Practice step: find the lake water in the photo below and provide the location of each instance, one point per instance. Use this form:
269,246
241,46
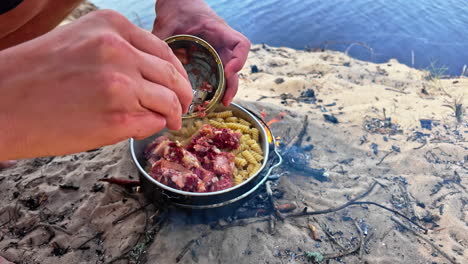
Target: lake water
436,31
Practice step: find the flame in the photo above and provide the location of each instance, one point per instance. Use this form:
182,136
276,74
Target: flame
278,141
270,137
277,118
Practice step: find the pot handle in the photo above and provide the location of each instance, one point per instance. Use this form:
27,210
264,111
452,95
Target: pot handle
277,164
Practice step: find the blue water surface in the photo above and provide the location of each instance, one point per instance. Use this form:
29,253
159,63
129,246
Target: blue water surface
435,31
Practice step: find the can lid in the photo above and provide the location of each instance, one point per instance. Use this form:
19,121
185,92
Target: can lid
204,69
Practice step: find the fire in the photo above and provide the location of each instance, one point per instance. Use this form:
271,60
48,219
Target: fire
277,118
278,141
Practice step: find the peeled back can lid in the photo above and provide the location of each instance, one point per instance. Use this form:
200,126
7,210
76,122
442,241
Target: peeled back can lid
204,69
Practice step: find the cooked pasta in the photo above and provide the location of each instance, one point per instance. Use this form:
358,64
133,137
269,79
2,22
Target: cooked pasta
235,126
249,154
240,162
249,157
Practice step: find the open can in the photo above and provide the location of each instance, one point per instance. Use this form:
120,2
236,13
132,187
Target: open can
204,69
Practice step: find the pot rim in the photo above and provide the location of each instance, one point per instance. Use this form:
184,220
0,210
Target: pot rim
165,187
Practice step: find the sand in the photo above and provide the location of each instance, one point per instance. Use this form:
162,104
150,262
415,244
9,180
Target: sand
53,210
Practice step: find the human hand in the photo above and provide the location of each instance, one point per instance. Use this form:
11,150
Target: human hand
195,17
94,82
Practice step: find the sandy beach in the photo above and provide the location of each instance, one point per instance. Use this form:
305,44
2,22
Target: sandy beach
358,121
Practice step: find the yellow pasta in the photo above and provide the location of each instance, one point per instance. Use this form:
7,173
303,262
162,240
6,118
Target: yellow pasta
224,114
255,134
257,156
232,119
254,170
238,179
240,162
244,122
249,157
256,147
217,124
251,142
235,126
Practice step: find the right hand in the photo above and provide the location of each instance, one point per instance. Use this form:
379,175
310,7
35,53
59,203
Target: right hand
94,82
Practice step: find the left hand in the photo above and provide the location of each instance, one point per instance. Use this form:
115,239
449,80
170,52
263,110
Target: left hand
195,17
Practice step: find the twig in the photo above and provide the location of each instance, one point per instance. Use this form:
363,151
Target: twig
184,250
187,246
434,203
346,252
330,210
99,234
384,157
121,218
241,222
48,226
300,136
272,202
331,237
426,240
420,147
395,90
121,182
361,240
393,211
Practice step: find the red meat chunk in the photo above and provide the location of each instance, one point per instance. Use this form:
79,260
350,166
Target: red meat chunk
206,87
202,166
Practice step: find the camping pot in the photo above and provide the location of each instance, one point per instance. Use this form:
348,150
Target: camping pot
224,201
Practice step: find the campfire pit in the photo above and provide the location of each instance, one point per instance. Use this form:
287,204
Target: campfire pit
224,202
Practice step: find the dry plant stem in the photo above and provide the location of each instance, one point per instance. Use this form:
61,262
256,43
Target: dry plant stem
445,255
393,211
187,246
354,202
330,210
384,157
333,238
121,218
346,252
300,136
184,250
272,202
420,147
395,90
88,240
361,238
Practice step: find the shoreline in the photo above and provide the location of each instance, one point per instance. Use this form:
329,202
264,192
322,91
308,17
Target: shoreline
363,123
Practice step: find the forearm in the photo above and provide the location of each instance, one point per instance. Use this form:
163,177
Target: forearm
31,19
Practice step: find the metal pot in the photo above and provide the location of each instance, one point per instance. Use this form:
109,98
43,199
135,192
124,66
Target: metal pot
222,201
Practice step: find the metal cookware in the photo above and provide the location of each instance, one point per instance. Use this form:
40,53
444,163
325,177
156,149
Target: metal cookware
222,201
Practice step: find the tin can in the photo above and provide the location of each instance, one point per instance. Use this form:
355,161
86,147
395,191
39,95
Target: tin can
205,71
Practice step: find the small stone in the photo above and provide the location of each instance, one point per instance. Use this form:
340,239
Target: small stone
279,80
254,69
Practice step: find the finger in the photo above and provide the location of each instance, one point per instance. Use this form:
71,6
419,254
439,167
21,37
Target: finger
163,101
239,57
161,72
148,43
232,87
162,32
148,124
